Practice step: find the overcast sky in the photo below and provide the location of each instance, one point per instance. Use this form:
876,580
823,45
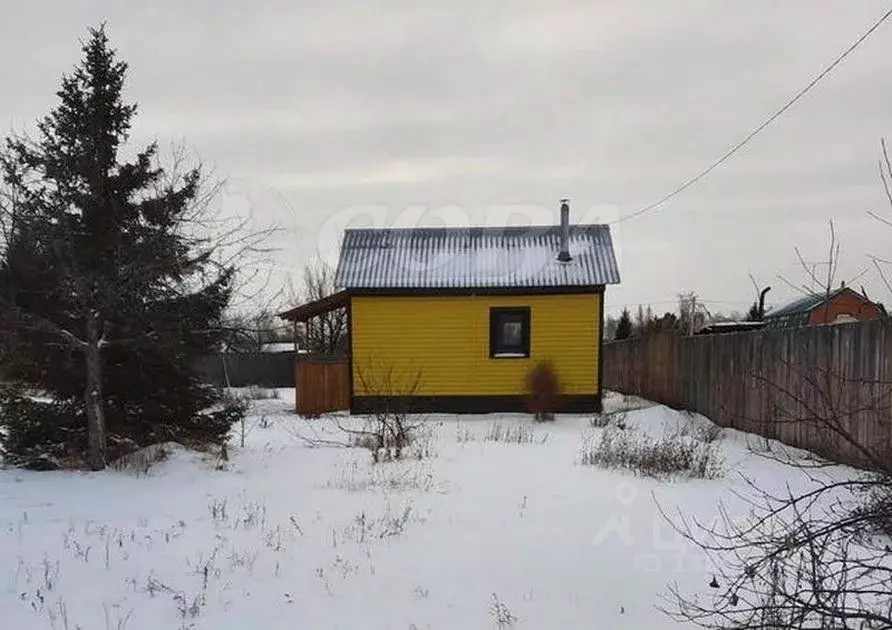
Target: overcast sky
471,109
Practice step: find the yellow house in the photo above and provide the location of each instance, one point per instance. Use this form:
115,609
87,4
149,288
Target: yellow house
453,319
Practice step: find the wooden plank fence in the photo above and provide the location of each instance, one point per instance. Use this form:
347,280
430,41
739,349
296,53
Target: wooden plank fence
322,385
822,388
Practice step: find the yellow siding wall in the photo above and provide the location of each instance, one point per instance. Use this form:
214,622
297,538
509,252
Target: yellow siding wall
446,341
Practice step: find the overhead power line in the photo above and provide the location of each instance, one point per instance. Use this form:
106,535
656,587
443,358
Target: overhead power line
737,147
675,302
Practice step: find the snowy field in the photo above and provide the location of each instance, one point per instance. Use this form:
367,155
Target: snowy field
294,532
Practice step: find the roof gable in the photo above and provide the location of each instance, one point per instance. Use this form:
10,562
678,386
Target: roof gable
808,303
798,312
475,257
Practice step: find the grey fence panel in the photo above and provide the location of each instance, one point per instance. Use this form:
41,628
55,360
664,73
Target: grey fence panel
822,388
243,369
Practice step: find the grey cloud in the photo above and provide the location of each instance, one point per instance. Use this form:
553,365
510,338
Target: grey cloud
320,106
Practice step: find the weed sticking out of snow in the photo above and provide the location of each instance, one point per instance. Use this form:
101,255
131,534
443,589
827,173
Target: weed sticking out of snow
514,433
366,528
395,476
517,430
508,432
501,614
464,434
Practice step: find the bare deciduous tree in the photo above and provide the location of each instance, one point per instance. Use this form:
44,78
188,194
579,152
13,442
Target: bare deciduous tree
250,332
327,333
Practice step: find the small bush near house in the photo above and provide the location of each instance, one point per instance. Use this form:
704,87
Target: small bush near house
543,392
670,455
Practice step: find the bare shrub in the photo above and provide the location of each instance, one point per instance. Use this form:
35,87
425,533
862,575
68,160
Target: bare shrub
660,458
391,428
543,392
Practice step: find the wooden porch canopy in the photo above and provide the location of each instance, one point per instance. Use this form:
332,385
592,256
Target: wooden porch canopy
321,383
307,311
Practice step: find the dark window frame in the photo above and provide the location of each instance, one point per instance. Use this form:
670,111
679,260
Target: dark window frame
497,351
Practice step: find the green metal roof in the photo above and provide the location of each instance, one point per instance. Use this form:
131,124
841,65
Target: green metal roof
796,313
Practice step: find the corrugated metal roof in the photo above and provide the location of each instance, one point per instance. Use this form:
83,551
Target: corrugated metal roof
799,305
475,257
796,313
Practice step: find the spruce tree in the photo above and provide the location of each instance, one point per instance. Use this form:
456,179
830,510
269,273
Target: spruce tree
110,290
624,325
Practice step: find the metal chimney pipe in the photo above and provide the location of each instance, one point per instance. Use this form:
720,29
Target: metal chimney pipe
762,301
564,254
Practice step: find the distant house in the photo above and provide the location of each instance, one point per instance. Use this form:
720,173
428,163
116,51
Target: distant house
718,328
452,319
839,306
278,347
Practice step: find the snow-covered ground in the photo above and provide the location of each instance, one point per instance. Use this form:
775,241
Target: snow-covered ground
295,533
